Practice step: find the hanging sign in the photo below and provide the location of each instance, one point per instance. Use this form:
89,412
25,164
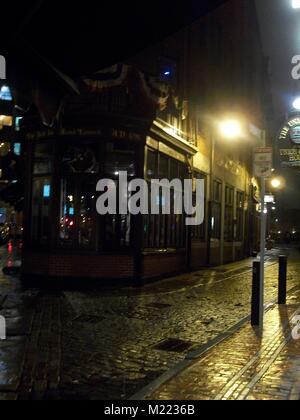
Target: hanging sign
289,144
263,162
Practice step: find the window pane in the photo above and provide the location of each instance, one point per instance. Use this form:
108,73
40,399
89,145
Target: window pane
151,164
119,157
68,213
42,167
43,150
228,232
80,158
40,222
163,167
87,222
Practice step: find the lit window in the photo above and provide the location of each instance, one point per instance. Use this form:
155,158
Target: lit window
5,94
17,149
6,120
18,120
47,191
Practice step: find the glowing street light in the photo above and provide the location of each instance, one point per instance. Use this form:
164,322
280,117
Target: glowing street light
276,183
231,129
296,103
296,4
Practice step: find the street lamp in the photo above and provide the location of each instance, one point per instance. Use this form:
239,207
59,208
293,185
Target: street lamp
231,129
296,103
295,4
276,183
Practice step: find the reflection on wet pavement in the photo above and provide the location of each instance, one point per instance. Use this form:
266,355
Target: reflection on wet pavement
108,344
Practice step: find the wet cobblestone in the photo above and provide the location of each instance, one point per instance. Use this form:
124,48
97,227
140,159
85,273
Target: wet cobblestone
246,366
121,355
102,344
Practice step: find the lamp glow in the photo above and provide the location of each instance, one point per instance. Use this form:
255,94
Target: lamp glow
276,183
296,4
296,103
231,129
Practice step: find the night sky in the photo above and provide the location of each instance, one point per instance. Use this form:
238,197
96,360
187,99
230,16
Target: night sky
280,30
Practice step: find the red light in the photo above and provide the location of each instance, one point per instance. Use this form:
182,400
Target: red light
71,223
10,247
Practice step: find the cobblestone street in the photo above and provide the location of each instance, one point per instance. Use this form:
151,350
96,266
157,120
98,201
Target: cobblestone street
246,366
111,343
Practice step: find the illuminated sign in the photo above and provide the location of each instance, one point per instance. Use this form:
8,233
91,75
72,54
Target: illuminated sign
269,199
293,124
289,144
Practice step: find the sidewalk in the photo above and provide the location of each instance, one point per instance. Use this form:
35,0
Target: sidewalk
245,366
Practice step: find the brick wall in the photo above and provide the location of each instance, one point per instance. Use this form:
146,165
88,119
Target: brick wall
161,265
199,255
97,267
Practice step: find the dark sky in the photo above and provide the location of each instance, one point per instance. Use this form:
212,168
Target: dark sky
280,30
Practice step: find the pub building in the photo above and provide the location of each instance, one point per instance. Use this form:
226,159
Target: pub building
110,127
117,124
155,116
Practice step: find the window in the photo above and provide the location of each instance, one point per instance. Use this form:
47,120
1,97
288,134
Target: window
228,222
152,164
240,205
117,229
80,158
120,156
216,210
5,94
80,225
164,231
40,219
17,123
17,149
43,159
41,194
78,213
199,232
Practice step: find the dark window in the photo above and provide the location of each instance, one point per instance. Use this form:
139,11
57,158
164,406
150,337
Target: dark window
120,156
40,217
43,158
80,158
42,194
240,205
229,206
199,232
78,213
117,229
152,162
216,210
164,231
